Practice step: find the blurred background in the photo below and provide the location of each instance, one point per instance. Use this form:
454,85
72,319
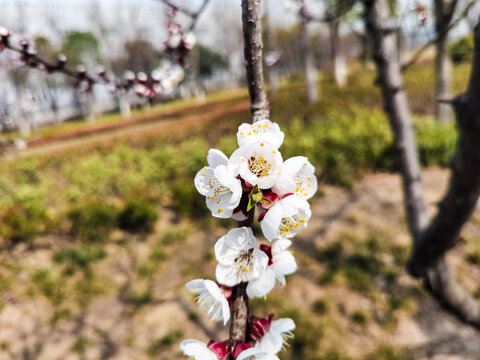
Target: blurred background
101,225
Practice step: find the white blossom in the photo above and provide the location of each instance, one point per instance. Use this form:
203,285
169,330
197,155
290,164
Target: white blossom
281,263
276,337
238,259
263,130
286,218
197,350
210,299
219,185
297,177
258,163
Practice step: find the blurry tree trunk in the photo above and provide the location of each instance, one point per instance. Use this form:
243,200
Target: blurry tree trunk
271,71
308,65
124,105
432,239
338,60
444,10
89,104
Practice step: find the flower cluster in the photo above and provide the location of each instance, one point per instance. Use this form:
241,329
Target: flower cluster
253,177
179,43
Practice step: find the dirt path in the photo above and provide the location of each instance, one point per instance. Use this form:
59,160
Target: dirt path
116,329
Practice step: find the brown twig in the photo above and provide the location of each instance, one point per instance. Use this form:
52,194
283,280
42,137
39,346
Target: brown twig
253,46
194,15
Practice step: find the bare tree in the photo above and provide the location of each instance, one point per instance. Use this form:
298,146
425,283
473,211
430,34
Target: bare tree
432,239
308,64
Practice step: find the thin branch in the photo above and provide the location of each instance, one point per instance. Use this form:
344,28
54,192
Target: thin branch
80,75
194,15
252,35
416,57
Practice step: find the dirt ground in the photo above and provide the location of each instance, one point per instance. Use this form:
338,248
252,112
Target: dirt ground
114,327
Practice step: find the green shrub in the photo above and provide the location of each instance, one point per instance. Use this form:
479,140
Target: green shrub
462,50
358,279
388,352
138,216
436,143
79,257
93,220
50,285
21,223
360,317
474,257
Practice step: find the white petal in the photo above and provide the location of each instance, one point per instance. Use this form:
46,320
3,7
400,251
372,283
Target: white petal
226,276
239,216
197,349
224,253
284,264
194,285
263,130
257,353
203,180
292,205
293,165
282,325
271,342
280,245
284,185
216,157
220,205
261,286
260,263
271,222
214,289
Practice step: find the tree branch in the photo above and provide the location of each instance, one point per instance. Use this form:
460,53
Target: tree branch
252,35
414,59
464,188
194,15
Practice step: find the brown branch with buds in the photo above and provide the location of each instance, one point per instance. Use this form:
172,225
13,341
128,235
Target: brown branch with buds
194,15
143,84
252,32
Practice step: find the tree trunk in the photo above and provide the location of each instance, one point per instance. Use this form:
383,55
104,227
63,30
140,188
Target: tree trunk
396,106
443,79
338,60
433,241
308,65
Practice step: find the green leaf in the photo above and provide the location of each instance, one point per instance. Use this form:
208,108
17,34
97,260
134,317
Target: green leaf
251,204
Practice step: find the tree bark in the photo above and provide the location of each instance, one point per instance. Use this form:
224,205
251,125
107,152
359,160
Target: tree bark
444,10
443,80
433,241
308,65
396,106
252,33
338,61
253,46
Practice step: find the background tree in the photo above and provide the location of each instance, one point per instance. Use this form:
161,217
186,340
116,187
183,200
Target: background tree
432,239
